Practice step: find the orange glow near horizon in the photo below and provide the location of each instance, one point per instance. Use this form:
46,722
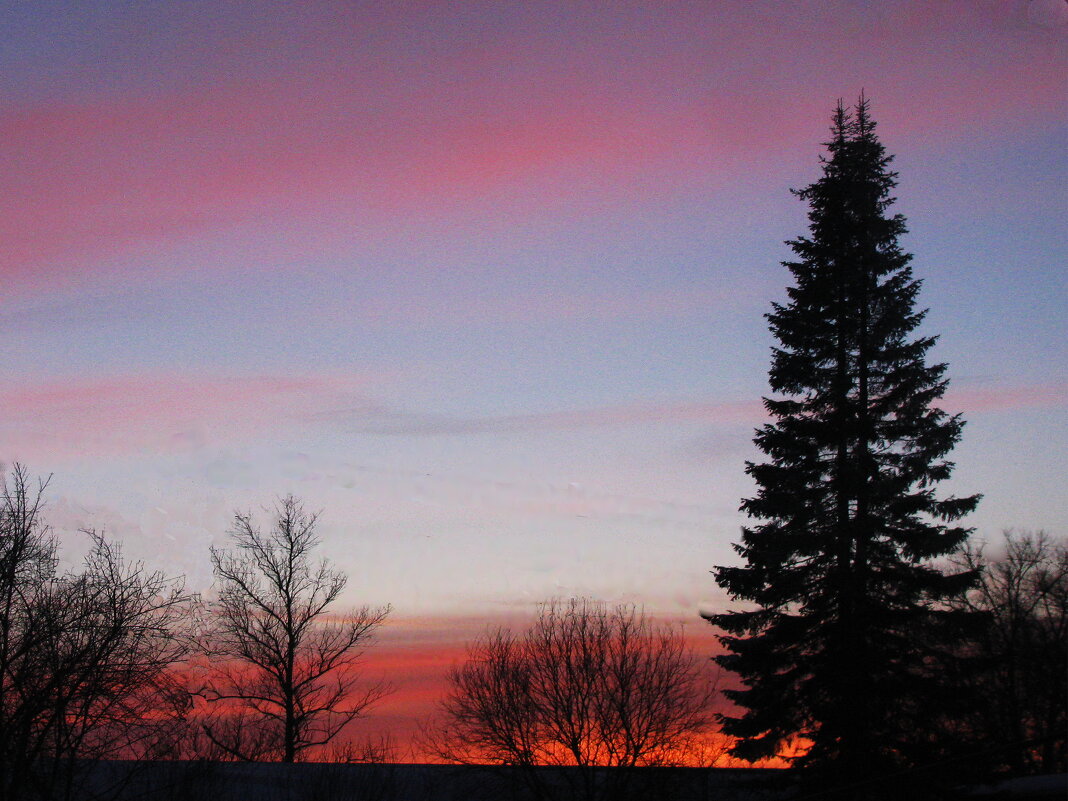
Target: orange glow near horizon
414,655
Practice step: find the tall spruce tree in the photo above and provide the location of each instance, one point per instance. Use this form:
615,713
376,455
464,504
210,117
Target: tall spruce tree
838,582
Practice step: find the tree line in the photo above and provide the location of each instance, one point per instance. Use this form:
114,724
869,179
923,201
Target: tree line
111,660
872,644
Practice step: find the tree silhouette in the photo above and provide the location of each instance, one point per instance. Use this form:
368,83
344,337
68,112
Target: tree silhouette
85,655
838,577
1021,688
283,669
585,686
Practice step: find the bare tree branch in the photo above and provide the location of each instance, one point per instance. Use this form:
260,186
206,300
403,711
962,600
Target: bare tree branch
86,656
275,655
584,686
1021,686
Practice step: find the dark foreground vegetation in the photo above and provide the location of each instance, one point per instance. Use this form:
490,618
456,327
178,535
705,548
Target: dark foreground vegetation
876,648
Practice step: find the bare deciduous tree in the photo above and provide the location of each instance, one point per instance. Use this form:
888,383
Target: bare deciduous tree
284,677
85,656
585,686
1022,689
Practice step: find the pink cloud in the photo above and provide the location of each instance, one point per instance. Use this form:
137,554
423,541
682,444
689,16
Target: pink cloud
78,417
711,412
1006,397
95,417
100,179
101,176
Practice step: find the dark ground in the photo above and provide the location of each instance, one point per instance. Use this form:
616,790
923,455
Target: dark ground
213,781
236,781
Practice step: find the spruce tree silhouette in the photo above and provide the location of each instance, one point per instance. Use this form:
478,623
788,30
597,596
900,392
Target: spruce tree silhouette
838,579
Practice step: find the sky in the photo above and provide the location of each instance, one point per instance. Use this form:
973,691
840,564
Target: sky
485,282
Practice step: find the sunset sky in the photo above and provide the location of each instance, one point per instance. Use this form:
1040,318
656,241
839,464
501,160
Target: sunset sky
484,282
